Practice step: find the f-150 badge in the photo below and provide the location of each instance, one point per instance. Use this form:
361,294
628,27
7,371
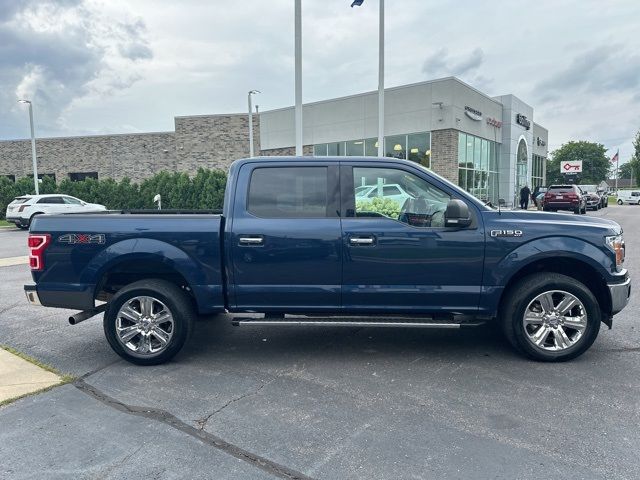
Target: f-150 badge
81,238
506,233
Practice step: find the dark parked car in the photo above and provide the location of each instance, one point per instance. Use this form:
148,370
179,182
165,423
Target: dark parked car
564,197
594,201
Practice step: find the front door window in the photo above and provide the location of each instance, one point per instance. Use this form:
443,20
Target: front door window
398,195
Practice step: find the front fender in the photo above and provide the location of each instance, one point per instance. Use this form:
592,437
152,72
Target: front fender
548,248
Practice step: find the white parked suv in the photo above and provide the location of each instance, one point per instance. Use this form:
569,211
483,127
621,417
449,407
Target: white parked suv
22,210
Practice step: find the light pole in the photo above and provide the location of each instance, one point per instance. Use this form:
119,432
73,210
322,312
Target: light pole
33,146
298,75
251,92
357,3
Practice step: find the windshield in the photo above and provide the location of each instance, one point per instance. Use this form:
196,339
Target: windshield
19,200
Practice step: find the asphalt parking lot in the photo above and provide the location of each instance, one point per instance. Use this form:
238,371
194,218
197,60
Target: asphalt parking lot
257,402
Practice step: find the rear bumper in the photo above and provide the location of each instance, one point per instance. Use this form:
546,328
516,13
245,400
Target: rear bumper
562,205
32,295
72,296
17,220
620,293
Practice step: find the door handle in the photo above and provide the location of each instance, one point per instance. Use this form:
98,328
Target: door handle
361,240
253,240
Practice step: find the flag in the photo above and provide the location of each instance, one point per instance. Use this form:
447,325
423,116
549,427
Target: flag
356,3
615,157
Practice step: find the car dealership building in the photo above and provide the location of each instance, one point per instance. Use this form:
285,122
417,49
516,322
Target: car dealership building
488,145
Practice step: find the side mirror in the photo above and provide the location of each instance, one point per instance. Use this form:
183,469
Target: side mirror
457,214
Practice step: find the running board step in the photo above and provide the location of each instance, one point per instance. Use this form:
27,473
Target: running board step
389,322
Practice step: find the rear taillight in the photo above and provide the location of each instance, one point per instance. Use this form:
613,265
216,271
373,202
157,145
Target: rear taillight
22,207
37,245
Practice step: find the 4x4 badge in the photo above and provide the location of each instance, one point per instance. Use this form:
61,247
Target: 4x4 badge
81,238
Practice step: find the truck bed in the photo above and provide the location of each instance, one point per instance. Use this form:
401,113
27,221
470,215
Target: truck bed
88,250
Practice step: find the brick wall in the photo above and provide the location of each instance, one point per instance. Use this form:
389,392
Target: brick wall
214,141
136,156
307,150
444,153
209,141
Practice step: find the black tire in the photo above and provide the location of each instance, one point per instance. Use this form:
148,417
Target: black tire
176,301
619,202
527,289
577,211
546,209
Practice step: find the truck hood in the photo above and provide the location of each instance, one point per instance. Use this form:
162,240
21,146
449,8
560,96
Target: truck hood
551,222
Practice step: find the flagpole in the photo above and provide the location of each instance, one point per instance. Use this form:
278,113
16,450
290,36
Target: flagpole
617,169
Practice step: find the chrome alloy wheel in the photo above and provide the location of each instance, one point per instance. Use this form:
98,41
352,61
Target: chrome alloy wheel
144,325
555,320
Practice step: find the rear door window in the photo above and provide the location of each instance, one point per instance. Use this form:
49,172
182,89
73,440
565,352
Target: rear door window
288,192
51,200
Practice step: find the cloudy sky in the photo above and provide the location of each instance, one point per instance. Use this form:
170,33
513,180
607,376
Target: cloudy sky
121,66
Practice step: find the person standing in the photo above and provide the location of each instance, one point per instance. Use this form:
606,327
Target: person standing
525,193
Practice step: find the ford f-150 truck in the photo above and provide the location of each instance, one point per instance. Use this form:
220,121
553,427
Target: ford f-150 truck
294,246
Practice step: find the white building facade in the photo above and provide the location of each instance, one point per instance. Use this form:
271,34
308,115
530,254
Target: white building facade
488,145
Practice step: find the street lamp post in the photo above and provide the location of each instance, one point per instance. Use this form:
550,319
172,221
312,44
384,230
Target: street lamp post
251,92
381,81
380,142
33,146
298,75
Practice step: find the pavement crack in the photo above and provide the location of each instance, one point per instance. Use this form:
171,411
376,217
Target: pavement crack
172,421
10,307
202,422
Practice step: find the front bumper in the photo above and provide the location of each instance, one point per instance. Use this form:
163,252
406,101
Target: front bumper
620,293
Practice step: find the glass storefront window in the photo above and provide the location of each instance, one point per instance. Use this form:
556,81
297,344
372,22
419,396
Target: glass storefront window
355,148
462,149
419,148
469,161
320,150
477,166
335,149
484,156
395,146
371,147
412,146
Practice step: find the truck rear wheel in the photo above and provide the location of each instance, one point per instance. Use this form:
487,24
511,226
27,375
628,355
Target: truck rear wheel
148,322
550,317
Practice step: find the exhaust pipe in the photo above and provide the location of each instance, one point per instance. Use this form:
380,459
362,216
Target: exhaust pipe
82,316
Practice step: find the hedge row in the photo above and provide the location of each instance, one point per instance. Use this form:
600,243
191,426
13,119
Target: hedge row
205,190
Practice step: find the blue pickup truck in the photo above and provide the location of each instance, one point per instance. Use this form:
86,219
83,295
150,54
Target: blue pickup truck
295,245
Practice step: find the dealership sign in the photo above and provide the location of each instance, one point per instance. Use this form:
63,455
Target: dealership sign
571,167
494,122
523,121
541,142
473,114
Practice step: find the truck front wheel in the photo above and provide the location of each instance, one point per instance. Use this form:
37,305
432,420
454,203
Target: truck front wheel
148,322
550,317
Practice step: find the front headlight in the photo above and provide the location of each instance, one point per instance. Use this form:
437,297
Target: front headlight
616,243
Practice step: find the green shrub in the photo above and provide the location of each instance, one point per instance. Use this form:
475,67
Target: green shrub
204,191
384,206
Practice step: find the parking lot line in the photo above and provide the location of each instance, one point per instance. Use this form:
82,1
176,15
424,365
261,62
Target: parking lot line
19,377
10,261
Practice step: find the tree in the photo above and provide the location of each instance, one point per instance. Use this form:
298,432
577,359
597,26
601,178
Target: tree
626,169
595,162
635,159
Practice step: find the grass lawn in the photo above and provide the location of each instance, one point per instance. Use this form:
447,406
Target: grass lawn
4,223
